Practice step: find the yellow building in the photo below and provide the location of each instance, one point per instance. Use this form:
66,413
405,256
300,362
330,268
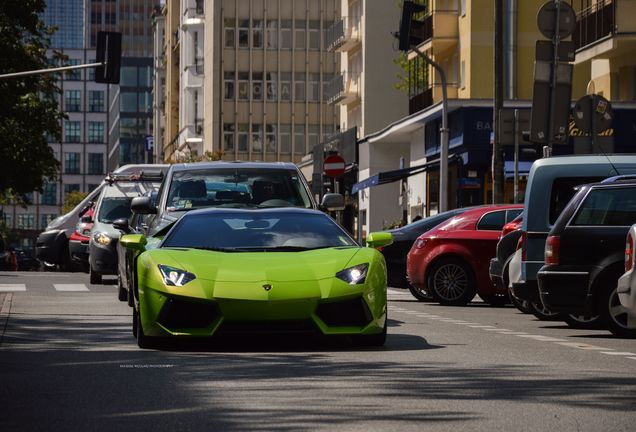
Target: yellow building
606,37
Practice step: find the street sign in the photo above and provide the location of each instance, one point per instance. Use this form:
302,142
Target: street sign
545,51
593,114
546,19
508,129
334,165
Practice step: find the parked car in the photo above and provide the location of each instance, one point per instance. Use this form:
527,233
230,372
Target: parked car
506,247
451,260
52,247
220,184
227,270
551,185
78,242
626,288
585,254
113,204
403,239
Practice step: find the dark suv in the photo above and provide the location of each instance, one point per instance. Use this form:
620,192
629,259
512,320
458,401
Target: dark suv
585,252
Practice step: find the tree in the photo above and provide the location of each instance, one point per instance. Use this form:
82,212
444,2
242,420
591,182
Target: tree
29,111
72,199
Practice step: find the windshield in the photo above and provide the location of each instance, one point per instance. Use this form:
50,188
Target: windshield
112,209
237,187
257,232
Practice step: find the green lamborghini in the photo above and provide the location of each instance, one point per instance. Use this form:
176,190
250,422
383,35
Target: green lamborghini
221,271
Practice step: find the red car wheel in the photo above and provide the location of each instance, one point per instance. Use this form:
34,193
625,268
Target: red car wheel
451,282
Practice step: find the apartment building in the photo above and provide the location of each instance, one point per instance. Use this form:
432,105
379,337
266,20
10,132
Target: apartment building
606,45
399,176
248,78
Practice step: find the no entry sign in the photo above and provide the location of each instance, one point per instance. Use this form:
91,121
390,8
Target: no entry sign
334,166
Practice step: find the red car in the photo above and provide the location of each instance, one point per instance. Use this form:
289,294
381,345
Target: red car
451,262
78,242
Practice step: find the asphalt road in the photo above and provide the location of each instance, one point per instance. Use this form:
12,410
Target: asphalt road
68,361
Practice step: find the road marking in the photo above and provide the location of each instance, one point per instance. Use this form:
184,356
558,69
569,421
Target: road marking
70,287
632,358
12,287
618,353
542,338
482,326
582,346
497,330
516,333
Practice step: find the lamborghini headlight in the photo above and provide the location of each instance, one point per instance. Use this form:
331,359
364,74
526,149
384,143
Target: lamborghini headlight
102,239
354,275
175,277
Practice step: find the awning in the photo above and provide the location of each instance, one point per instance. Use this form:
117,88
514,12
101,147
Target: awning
509,168
399,174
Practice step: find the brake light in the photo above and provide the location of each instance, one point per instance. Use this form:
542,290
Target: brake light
552,250
419,243
629,252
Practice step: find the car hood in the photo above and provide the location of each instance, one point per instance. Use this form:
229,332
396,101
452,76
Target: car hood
258,266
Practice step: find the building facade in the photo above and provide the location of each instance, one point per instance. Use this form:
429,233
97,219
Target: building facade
248,78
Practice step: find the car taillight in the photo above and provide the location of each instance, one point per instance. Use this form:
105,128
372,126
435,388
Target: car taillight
419,243
629,252
552,250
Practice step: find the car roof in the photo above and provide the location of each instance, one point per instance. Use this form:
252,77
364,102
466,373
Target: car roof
233,164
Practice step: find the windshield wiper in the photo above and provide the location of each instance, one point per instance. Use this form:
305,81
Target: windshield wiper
277,248
214,249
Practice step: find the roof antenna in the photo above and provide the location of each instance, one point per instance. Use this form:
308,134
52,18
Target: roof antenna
592,91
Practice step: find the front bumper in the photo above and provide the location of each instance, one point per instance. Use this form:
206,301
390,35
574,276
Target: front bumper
496,273
78,251
564,289
103,258
49,246
526,290
166,312
626,289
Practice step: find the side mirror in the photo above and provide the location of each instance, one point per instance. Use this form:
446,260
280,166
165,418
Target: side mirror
332,202
136,242
379,239
122,225
143,205
86,219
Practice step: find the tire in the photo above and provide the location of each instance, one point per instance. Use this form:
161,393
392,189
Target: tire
615,316
143,341
522,305
374,340
95,278
451,282
122,292
545,314
583,322
420,294
496,300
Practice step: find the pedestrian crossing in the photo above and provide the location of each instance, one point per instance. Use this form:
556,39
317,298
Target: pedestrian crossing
60,287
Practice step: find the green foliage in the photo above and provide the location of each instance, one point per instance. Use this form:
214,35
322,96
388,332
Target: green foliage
411,77
72,199
207,156
29,109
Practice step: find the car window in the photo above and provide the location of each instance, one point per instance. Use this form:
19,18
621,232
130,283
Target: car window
607,207
493,221
232,187
512,214
112,209
563,189
245,231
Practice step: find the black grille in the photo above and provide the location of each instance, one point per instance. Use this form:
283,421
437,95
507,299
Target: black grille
283,326
354,312
187,314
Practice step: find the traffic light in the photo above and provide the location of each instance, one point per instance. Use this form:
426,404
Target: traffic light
108,52
408,26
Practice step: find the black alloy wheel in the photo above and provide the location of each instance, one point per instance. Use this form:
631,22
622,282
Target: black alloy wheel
420,294
545,314
452,282
583,321
615,316
95,278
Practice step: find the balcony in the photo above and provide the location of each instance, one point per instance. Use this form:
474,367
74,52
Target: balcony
439,31
193,76
344,89
430,96
604,29
193,9
343,35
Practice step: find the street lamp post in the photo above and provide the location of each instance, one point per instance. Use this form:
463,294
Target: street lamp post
443,132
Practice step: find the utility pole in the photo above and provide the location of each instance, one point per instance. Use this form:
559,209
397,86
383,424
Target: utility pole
497,153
